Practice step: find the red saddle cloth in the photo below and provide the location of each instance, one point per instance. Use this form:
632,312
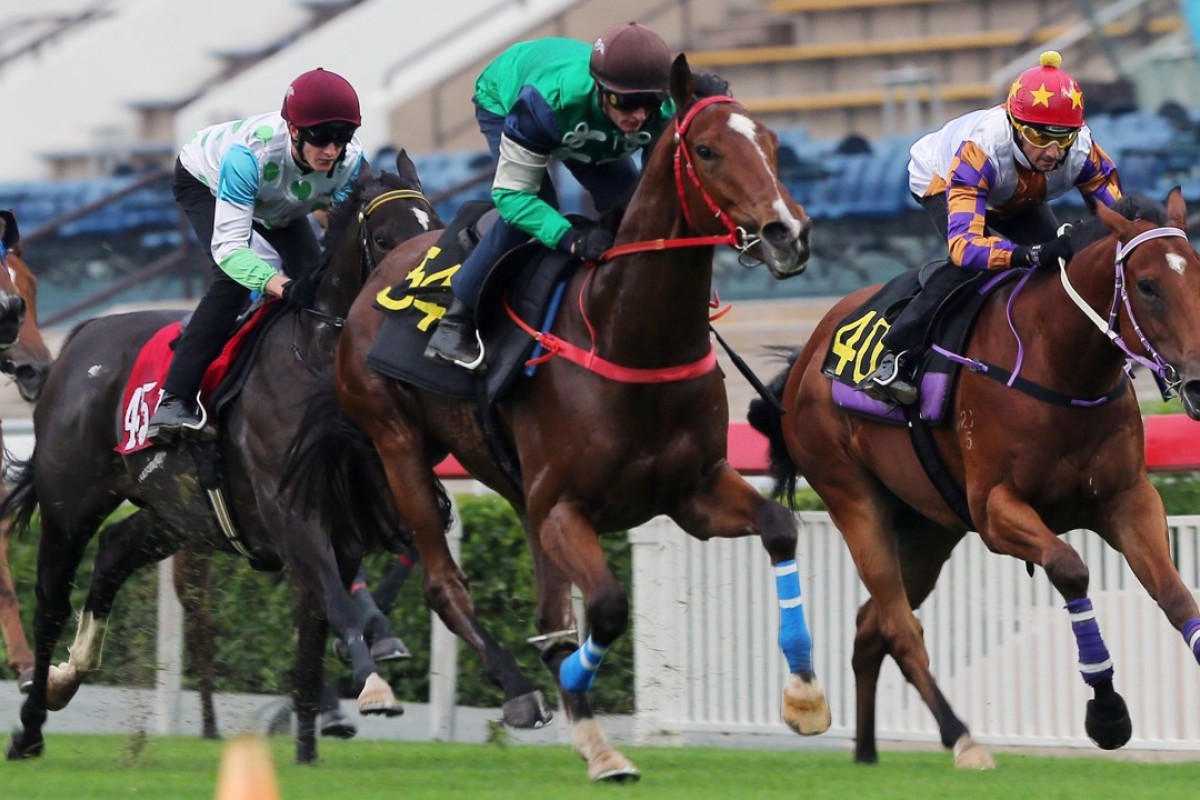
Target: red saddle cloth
144,388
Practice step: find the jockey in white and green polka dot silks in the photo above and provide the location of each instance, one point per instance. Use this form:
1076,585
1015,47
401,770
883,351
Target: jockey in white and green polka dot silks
248,165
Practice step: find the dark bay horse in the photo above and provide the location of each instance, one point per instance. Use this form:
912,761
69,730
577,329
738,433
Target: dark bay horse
77,479
24,356
1047,456
636,429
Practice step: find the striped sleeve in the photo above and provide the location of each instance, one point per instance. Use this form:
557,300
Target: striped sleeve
1098,181
971,176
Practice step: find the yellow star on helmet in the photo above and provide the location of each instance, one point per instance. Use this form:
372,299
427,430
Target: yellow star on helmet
1076,97
1041,97
1016,85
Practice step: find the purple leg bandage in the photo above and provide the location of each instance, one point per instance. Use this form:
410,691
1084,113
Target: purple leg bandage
1191,635
1094,662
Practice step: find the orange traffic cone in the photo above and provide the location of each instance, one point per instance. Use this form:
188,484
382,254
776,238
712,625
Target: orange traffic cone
246,771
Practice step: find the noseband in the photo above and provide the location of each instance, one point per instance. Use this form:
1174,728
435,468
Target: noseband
1166,374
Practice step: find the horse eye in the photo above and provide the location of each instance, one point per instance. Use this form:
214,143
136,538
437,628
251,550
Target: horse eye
1147,288
705,152
383,243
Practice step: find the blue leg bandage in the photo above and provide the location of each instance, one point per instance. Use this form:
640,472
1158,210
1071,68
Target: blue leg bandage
578,671
794,639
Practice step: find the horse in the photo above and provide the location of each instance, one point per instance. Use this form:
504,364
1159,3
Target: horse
633,427
1044,436
77,479
26,358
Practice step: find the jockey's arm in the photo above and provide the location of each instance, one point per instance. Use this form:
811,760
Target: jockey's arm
971,175
234,219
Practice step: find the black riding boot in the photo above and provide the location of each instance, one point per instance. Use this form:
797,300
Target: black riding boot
454,340
892,380
174,415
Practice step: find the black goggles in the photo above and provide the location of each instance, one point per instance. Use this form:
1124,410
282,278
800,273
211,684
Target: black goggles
632,101
325,135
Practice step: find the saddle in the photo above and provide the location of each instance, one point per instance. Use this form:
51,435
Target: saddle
528,279
223,381
857,342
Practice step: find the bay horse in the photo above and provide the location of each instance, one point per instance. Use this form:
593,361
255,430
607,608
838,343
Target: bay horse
1055,447
626,422
25,357
77,479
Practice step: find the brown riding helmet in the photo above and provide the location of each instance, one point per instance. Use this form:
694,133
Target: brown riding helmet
631,58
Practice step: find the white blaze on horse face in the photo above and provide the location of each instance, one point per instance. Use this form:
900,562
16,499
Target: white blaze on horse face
749,128
422,217
1176,262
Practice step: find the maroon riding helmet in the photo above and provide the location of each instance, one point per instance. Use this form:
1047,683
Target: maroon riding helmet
319,96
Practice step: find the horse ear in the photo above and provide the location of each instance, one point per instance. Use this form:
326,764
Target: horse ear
407,170
1176,209
681,83
1113,221
9,233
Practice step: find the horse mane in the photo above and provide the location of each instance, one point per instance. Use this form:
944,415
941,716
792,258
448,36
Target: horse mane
1133,206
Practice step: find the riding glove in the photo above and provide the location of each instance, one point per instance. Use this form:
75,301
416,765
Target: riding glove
587,243
1044,256
709,84
300,292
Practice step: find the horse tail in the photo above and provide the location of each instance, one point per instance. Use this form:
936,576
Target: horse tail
332,472
765,418
22,499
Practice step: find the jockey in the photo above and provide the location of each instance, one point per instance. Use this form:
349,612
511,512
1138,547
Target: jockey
247,188
985,179
590,107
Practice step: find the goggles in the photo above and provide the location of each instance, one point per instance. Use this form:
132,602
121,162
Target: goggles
632,101
339,133
1039,136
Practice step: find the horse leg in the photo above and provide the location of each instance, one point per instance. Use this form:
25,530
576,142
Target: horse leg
727,506
385,644
308,670
66,530
567,550
1011,526
20,656
191,572
416,494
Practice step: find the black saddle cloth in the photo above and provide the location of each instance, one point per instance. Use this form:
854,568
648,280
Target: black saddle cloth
526,278
857,343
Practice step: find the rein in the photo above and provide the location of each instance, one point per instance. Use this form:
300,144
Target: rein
735,237
1155,363
1161,369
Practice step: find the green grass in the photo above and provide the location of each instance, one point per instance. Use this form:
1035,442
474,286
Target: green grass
102,767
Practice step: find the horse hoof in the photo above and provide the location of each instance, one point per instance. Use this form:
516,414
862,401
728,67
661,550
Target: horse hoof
377,698
804,707
61,685
25,680
612,767
527,711
1107,722
969,755
390,649
335,724
18,751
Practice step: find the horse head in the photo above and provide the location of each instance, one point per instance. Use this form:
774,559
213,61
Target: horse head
23,353
1159,289
727,174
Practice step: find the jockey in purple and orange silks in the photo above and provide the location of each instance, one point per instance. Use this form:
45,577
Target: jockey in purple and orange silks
986,179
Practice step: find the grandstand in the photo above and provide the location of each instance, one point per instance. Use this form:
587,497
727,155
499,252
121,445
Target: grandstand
847,84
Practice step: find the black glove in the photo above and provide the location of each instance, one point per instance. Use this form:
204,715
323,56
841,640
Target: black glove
1044,256
300,292
587,243
709,84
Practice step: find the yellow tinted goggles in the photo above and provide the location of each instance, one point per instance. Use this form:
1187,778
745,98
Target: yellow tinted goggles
1040,137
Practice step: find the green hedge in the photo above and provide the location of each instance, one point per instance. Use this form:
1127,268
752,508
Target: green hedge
253,613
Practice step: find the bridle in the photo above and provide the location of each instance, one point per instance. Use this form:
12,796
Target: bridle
736,236
1167,375
367,260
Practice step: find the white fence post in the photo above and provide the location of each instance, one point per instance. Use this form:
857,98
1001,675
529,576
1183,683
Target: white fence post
168,678
443,655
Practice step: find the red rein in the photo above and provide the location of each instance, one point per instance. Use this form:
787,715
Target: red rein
588,359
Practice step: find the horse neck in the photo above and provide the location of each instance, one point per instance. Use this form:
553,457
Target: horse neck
344,273
653,306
